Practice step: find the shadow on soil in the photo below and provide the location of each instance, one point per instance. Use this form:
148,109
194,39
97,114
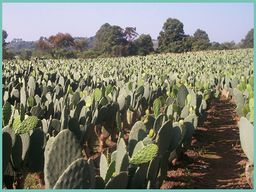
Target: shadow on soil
215,160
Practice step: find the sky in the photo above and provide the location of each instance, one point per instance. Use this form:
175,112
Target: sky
222,21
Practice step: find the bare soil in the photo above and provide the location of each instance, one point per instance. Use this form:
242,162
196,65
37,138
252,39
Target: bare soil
215,160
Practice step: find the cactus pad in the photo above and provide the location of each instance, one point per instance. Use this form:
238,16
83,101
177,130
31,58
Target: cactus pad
144,155
7,112
246,137
103,166
76,176
63,150
138,133
7,149
28,124
120,181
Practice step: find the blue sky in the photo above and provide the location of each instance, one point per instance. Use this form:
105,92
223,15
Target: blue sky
222,21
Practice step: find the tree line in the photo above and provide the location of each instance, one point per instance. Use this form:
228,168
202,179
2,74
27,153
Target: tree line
112,40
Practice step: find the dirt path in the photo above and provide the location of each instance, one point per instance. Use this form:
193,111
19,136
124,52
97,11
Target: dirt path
215,159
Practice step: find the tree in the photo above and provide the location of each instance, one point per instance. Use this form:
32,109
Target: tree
229,45
61,45
130,33
144,44
81,44
43,44
187,42
6,54
4,36
172,36
201,40
247,42
62,40
216,46
110,40
25,54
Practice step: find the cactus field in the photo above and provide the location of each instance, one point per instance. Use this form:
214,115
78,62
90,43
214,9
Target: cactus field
127,122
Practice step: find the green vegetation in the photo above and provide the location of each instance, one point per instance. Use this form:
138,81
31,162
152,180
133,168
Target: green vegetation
115,122
114,41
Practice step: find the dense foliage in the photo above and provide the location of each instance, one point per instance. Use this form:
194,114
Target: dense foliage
112,40
115,122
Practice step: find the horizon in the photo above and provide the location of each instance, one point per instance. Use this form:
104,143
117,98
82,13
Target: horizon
223,22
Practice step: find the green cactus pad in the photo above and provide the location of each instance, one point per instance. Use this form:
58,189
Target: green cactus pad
11,133
121,156
163,137
182,96
22,112
156,107
7,149
97,94
76,176
184,112
36,151
153,169
246,130
192,119
138,146
145,154
120,181
103,166
110,171
25,138
99,182
7,112
140,177
27,125
138,133
158,122
16,156
63,150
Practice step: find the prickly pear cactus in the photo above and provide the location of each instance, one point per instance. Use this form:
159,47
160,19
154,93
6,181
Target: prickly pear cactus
246,131
16,123
156,107
159,122
153,170
137,134
36,151
121,157
145,154
99,182
103,166
182,96
120,181
22,112
163,137
63,150
25,138
97,94
76,176
251,107
28,124
7,112
110,171
138,146
192,119
11,133
138,180
16,156
7,149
